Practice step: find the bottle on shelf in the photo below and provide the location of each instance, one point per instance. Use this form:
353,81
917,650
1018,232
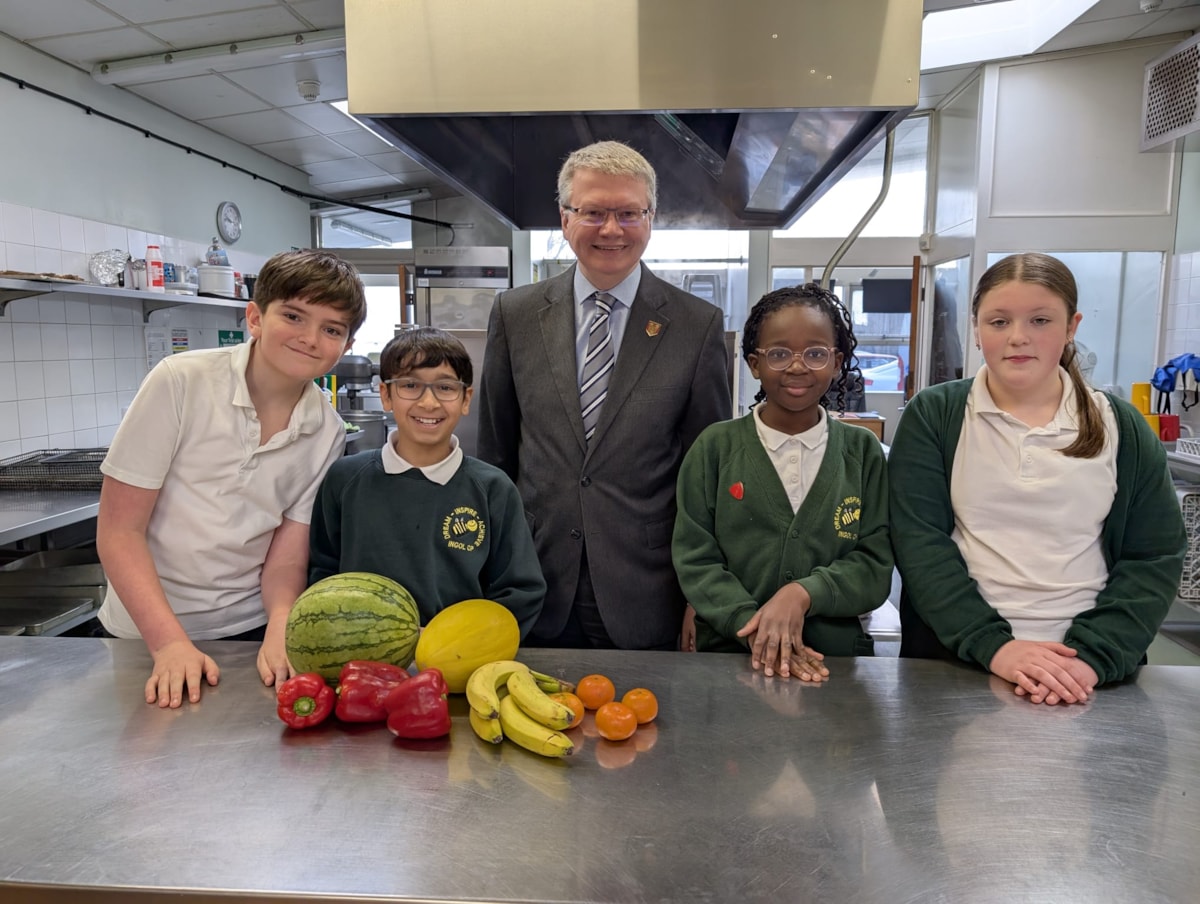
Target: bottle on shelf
154,269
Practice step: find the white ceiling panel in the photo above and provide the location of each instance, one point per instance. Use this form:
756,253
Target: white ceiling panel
353,168
260,127
1114,9
25,20
200,97
277,84
226,27
1085,34
1178,20
87,49
361,141
321,13
157,10
396,163
315,149
350,188
322,117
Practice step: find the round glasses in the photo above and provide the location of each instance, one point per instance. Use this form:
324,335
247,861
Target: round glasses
815,357
627,217
411,390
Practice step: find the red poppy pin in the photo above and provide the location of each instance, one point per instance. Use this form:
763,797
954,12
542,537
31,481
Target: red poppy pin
737,491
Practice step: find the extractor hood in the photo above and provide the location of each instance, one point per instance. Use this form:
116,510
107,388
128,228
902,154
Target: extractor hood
748,109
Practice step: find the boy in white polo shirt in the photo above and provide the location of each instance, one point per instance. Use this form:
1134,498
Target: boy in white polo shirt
210,480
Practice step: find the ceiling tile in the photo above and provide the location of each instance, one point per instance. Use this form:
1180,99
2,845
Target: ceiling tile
321,13
1085,34
396,163
1176,20
352,187
302,151
322,117
88,49
353,168
24,20
260,127
277,83
223,28
199,97
157,10
361,141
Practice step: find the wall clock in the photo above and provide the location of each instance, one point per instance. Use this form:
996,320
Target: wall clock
229,221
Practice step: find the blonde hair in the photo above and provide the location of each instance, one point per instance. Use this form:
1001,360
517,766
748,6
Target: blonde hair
613,159
1052,274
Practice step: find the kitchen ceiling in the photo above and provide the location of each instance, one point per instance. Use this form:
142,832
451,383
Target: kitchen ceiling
260,104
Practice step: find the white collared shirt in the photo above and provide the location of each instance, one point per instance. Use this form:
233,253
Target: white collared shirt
193,434
623,294
1028,519
439,473
797,457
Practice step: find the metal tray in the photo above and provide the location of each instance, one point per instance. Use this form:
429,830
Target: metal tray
53,468
40,615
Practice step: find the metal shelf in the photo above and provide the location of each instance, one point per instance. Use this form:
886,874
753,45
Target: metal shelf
13,289
1183,467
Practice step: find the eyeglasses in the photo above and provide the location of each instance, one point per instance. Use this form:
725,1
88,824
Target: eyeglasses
412,390
815,357
627,217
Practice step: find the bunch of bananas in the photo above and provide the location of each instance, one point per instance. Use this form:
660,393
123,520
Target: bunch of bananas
510,700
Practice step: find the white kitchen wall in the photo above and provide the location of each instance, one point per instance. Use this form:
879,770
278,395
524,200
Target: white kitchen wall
71,363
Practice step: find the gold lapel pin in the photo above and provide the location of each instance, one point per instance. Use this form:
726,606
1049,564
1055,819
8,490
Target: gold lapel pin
652,328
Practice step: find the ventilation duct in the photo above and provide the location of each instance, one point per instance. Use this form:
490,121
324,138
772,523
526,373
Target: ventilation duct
1170,107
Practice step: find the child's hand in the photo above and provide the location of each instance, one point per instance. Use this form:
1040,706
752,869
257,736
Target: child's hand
687,634
1043,670
273,665
1080,670
177,664
776,633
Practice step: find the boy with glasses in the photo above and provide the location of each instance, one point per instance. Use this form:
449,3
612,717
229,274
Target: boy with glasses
447,526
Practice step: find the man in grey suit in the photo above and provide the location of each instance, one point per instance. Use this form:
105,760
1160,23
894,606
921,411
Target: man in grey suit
594,385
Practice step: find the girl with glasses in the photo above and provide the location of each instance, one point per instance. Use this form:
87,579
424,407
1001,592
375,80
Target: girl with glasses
781,539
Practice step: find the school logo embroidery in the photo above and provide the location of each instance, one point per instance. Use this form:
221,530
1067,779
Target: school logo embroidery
738,490
846,517
464,529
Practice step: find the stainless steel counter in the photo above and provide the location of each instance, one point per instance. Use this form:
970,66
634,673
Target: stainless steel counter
897,781
29,513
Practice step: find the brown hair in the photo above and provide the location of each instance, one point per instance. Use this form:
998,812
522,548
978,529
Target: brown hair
1052,274
317,277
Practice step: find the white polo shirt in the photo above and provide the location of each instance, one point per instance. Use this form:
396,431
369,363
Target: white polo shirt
192,433
797,457
1028,519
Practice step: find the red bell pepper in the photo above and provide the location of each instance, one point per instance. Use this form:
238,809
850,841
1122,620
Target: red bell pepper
362,687
418,707
304,700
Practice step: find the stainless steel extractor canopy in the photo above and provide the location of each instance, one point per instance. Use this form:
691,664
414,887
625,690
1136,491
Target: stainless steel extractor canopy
748,110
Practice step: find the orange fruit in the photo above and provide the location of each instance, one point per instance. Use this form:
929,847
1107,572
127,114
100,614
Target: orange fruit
616,721
643,703
575,704
595,691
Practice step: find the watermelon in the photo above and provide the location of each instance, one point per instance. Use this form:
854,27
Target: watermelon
356,615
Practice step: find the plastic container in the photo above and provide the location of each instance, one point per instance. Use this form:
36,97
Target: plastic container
154,270
216,280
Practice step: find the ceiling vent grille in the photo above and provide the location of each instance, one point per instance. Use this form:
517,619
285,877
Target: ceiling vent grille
1171,95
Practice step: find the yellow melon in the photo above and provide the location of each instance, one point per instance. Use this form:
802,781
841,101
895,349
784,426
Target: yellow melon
464,636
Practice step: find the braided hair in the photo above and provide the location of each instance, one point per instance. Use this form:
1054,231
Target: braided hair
827,303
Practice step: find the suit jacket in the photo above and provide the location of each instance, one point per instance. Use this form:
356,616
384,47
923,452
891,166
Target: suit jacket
618,495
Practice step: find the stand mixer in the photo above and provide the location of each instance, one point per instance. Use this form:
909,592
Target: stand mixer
354,373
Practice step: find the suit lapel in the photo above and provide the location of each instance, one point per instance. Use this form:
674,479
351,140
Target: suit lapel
557,321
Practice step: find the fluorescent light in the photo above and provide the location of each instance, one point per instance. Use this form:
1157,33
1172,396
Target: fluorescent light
221,57
351,229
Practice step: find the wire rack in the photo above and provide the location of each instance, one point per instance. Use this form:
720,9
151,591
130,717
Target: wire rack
76,469
1189,503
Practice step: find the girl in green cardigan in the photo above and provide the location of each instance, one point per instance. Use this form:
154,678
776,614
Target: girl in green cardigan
781,538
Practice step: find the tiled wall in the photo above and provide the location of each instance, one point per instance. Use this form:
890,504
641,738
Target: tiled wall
70,364
1183,322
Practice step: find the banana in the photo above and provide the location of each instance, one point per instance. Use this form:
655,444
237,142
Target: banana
552,685
488,729
484,684
531,698
533,736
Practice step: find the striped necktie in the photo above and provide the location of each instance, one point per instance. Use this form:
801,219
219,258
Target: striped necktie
597,365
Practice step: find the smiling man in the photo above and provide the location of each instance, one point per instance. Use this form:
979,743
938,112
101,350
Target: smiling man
595,383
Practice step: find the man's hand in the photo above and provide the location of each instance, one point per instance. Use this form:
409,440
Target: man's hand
177,664
687,635
273,665
1043,670
776,633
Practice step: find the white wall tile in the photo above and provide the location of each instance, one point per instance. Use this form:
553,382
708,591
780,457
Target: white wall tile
18,223
57,377
22,258
79,340
24,310
83,410
86,439
75,262
31,414
107,412
125,374
10,429
105,434
54,341
102,342
34,443
95,238
9,449
59,417
127,342
6,346
1194,290
46,233
104,375
71,230
29,383
81,375
78,311
65,440
100,311
27,342
117,237
52,310
8,374
47,260
3,257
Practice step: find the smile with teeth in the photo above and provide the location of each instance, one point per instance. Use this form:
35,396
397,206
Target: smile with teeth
427,421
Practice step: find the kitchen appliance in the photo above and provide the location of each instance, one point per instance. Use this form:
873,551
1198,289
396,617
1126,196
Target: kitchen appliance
354,376
216,280
372,427
748,111
455,287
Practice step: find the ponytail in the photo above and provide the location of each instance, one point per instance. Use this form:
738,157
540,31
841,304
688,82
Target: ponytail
1090,441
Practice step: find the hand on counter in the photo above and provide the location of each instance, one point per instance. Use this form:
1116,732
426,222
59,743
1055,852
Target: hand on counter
687,634
776,634
177,664
1046,671
273,665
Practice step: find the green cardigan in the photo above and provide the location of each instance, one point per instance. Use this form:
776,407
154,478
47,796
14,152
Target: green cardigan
941,609
737,541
